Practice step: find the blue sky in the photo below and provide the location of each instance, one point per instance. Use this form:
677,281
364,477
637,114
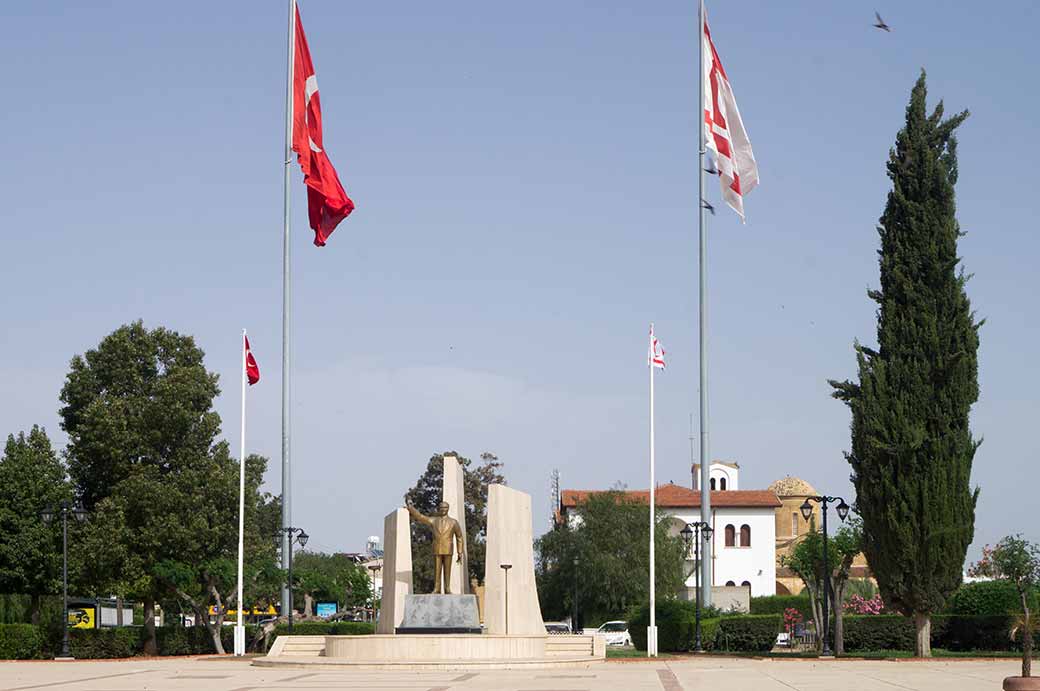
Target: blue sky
525,178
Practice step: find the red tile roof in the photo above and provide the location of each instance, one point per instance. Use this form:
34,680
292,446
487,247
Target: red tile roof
675,496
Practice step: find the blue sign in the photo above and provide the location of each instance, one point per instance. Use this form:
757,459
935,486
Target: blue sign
326,609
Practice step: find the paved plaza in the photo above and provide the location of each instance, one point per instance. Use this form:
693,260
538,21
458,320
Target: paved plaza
716,674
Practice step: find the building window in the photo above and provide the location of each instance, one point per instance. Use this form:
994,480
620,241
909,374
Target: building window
722,484
794,524
730,535
713,484
730,583
745,584
745,535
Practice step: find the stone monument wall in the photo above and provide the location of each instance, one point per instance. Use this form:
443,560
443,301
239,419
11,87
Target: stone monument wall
509,541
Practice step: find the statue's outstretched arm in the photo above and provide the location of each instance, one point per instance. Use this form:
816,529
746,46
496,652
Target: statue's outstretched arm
414,513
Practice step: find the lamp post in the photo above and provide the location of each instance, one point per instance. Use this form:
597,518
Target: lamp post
373,568
695,530
843,512
295,535
506,567
574,614
47,515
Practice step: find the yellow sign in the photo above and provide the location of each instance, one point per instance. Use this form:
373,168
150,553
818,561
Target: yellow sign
81,617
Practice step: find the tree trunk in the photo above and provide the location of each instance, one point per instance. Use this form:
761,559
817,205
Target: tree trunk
119,610
216,627
1027,638
923,638
838,588
817,613
150,645
35,609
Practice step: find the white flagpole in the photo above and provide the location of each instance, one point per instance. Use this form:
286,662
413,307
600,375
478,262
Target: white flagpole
651,637
286,315
240,631
706,562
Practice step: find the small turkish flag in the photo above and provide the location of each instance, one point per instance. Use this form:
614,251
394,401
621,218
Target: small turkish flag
327,202
252,369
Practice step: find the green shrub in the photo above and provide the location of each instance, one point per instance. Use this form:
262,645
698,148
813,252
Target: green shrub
326,628
100,644
776,604
751,633
675,621
192,640
20,642
961,633
986,598
878,632
709,632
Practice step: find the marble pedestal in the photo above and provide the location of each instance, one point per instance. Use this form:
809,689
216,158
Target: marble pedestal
440,614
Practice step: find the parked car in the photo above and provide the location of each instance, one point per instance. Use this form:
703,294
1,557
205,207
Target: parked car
616,633
557,628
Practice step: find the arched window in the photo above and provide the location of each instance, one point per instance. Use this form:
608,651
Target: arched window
722,484
745,535
745,584
713,484
730,535
730,583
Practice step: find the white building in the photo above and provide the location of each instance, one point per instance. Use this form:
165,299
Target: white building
744,524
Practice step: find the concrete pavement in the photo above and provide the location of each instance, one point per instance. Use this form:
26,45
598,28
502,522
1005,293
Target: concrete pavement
716,674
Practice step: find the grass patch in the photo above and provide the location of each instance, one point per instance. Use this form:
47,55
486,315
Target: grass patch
618,653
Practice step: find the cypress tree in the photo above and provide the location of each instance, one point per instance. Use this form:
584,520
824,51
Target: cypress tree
912,448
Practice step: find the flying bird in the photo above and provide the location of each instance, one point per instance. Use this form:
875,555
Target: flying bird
709,207
881,23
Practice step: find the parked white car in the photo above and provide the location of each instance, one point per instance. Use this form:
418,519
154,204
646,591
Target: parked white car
616,633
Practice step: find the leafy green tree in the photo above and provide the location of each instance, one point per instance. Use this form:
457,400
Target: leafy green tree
32,479
1018,561
331,578
806,560
912,448
425,496
606,551
204,575
138,410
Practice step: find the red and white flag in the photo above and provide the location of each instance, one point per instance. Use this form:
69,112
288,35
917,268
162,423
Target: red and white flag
724,132
655,356
327,202
252,369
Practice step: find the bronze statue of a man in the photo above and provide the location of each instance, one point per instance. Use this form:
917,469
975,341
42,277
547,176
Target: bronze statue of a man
444,528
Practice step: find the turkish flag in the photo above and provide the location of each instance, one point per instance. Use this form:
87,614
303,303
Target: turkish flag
252,369
327,202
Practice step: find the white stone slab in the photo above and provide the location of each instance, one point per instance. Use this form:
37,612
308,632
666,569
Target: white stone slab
454,493
397,569
509,541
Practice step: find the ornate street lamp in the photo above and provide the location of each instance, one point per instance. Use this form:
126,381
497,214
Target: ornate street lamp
843,512
79,515
695,531
574,614
296,535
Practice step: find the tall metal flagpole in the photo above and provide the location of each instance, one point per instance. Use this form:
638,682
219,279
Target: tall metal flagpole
651,637
706,560
287,316
240,631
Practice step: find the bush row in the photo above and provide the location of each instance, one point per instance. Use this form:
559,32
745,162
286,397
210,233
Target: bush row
777,604
952,632
28,642
328,628
676,629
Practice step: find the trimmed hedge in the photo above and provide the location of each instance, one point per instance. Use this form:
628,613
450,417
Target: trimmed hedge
988,598
20,642
99,644
951,632
675,623
328,628
751,633
776,604
191,640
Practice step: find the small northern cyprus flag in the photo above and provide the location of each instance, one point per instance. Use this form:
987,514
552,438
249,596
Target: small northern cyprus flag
655,356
